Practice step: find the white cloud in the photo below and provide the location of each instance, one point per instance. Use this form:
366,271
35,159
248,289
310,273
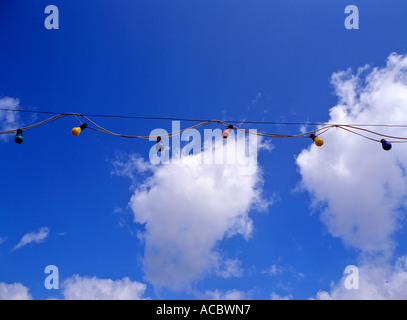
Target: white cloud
188,207
377,281
228,295
9,120
231,268
361,188
273,270
275,296
129,165
15,291
36,236
262,102
85,288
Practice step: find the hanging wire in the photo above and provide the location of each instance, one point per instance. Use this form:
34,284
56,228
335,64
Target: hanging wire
324,127
200,120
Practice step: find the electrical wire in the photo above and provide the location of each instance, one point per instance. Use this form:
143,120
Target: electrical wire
200,120
323,127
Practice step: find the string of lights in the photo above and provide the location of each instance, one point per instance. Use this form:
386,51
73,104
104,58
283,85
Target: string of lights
357,129
197,120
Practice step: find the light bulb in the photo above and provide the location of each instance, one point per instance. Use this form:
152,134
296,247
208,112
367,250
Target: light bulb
77,130
317,140
19,139
385,145
159,146
226,132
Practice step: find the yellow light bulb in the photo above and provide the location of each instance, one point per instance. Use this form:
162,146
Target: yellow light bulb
318,141
76,131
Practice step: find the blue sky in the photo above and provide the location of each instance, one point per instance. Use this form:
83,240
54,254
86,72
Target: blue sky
229,60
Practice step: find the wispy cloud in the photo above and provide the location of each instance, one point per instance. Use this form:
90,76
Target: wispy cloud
233,294
376,282
9,120
275,296
14,291
231,268
36,237
85,288
273,270
262,102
